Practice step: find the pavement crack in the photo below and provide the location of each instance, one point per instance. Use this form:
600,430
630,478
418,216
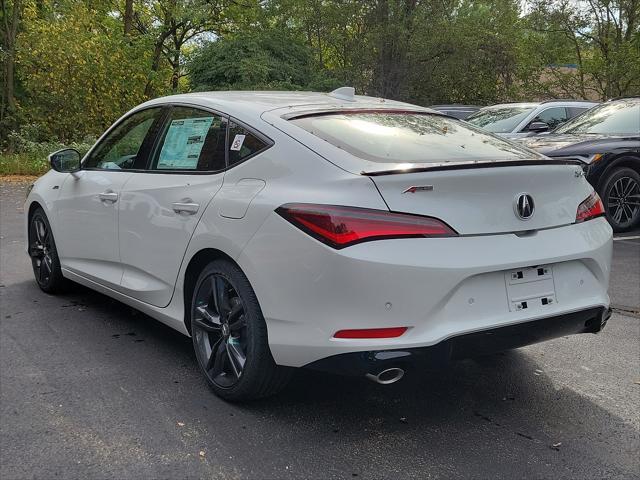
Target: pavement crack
626,311
493,422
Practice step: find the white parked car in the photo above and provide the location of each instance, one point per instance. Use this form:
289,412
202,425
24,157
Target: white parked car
343,233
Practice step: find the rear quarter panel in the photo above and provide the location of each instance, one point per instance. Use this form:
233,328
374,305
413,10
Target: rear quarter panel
287,172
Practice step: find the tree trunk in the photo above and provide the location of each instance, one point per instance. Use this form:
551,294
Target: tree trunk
128,16
155,64
395,20
175,65
9,71
9,34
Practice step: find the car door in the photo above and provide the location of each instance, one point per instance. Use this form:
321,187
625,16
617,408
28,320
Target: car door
160,207
87,207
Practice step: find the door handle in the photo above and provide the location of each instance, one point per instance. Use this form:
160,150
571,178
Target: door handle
108,197
186,207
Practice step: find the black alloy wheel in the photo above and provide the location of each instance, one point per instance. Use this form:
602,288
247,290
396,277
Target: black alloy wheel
230,336
44,255
622,199
219,326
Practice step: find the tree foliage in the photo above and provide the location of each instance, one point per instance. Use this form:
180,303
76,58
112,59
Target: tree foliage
602,40
71,67
78,72
262,60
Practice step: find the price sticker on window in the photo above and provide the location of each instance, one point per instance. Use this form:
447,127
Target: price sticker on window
238,140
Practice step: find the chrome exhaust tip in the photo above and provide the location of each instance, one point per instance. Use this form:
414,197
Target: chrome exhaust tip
386,377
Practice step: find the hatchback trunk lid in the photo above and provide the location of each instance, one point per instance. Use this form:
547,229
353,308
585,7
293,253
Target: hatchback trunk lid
483,200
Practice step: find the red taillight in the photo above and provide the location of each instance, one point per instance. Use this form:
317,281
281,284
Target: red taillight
591,207
340,227
392,332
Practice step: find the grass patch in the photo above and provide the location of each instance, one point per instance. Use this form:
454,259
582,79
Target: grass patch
23,164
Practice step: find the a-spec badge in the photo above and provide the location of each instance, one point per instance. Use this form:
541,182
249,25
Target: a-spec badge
419,188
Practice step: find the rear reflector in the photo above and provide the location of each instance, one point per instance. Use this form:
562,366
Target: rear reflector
371,333
340,227
591,207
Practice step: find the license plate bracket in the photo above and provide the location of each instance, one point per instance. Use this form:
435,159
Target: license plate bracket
530,288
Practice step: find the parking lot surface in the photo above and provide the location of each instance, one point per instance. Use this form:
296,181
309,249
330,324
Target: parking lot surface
90,388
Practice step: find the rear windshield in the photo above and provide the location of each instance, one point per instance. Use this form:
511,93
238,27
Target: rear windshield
409,137
500,119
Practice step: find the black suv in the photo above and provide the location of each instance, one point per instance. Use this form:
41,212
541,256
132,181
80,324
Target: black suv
606,139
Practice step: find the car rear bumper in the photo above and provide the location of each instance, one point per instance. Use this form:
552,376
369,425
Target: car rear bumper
440,288
469,345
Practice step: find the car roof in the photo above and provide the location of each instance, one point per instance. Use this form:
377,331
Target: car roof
568,103
252,104
454,106
634,98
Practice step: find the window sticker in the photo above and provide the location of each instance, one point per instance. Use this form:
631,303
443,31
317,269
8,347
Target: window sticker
183,143
238,140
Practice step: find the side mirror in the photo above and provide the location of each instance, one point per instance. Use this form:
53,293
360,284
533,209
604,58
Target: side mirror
538,127
66,160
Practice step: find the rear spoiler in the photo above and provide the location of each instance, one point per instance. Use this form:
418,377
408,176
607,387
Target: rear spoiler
435,167
352,110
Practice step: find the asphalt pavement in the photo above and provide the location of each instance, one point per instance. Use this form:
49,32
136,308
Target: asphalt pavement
90,388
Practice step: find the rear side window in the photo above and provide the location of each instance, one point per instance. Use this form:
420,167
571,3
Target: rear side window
408,137
243,144
192,140
575,111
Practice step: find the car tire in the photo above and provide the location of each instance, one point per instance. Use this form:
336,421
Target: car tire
621,187
230,336
44,254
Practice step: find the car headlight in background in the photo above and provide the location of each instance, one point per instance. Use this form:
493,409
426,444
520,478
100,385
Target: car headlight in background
590,160
29,188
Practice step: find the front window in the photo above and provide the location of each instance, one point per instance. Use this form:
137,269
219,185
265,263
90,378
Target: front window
500,119
409,137
552,116
621,117
126,146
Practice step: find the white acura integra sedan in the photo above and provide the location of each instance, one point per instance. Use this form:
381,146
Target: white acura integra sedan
343,233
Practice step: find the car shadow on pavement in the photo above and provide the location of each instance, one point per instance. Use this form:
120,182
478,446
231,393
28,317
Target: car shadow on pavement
502,407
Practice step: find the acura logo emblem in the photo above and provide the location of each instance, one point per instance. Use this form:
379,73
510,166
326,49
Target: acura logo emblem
524,206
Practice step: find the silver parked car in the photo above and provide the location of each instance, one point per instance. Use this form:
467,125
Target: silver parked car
519,120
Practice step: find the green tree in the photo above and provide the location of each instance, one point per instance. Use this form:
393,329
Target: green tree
172,24
465,51
264,59
336,31
10,19
423,51
78,71
602,40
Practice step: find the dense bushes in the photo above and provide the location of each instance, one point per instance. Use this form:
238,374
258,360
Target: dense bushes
30,151
260,60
